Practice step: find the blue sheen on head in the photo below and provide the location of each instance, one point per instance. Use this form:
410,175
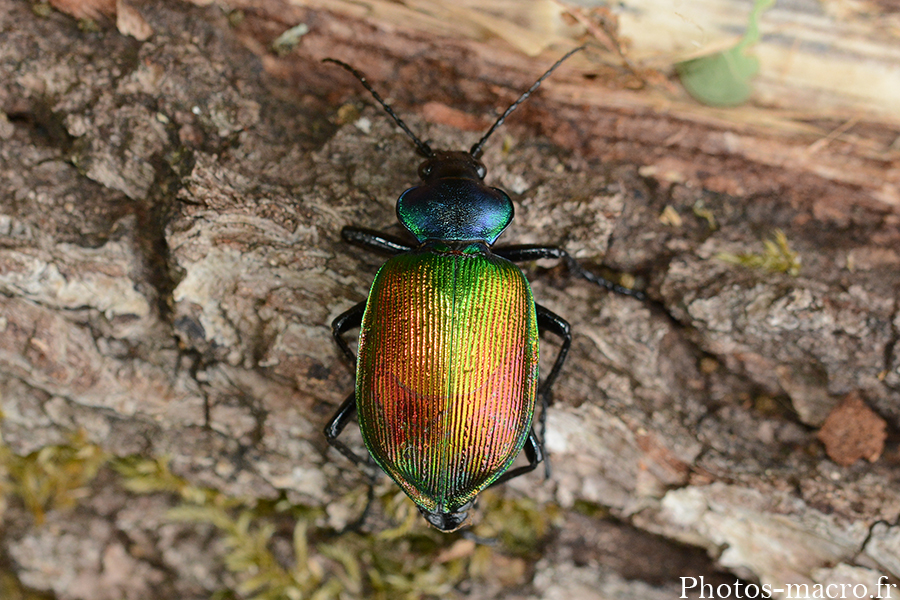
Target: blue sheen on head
455,209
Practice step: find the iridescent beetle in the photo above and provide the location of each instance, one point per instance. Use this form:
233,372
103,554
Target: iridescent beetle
447,373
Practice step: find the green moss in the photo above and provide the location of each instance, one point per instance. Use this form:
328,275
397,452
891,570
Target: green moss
236,18
777,256
591,509
12,589
701,211
519,524
408,560
42,9
278,550
54,477
89,25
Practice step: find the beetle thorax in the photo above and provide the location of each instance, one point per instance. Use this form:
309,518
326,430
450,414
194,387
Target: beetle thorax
453,202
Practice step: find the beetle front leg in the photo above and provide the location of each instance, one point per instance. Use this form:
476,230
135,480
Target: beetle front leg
375,240
527,252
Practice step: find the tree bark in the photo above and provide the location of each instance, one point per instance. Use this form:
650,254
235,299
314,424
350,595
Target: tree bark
170,262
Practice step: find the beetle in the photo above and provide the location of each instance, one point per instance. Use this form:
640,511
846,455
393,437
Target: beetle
447,366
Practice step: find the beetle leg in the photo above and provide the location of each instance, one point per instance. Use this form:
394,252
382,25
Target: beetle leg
534,452
361,520
343,323
336,426
528,252
375,240
332,431
548,320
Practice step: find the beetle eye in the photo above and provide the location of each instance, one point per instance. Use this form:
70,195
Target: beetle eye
425,170
481,171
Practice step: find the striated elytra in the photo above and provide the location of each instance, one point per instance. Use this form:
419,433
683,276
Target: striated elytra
447,372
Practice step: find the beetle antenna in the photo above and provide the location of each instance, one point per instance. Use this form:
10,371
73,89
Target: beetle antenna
477,148
421,147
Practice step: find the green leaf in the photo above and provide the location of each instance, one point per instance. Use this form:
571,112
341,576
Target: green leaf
724,78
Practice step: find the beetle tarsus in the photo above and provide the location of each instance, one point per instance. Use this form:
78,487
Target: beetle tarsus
576,268
483,541
357,525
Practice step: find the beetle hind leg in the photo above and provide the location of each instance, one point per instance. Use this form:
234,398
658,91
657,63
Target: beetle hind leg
332,431
343,323
364,515
336,426
534,452
550,321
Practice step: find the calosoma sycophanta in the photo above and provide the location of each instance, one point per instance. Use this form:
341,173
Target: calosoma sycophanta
447,373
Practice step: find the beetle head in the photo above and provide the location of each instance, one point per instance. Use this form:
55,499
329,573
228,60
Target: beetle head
447,521
451,164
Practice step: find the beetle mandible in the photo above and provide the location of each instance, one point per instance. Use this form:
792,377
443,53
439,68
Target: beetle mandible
447,372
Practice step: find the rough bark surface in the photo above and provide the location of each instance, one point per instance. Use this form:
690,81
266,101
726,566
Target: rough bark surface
170,261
